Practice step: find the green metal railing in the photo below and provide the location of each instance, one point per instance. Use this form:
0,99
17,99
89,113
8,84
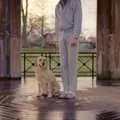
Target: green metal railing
86,64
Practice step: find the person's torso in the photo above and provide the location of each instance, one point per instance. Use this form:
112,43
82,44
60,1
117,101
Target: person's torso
65,16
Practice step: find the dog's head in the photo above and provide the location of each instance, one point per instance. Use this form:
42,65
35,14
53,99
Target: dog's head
42,63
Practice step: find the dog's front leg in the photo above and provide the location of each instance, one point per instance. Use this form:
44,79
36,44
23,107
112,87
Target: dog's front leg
37,87
49,90
41,89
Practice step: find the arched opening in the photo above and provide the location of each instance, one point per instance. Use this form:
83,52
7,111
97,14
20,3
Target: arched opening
41,18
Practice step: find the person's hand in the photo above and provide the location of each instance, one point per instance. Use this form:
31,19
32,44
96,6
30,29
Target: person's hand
73,42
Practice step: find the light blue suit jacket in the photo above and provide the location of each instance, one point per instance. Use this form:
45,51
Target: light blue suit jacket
69,18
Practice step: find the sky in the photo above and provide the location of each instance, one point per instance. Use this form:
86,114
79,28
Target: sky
47,8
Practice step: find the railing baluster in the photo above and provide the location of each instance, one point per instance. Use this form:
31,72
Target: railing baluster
50,61
24,66
92,69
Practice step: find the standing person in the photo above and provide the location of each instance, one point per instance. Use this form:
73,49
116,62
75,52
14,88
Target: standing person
68,20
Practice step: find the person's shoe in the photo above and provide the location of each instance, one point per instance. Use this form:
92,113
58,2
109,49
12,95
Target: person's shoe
71,95
63,95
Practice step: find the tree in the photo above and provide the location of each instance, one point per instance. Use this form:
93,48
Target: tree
32,20
24,13
37,22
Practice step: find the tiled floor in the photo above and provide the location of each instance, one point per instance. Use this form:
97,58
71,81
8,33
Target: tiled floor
17,102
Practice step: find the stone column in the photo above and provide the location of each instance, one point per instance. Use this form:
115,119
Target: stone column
15,38
108,40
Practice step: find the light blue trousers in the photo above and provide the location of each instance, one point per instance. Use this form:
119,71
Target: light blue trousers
68,58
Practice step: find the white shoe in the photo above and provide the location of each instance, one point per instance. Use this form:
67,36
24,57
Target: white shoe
71,95
63,95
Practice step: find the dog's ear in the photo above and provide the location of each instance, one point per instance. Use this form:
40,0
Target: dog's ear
46,63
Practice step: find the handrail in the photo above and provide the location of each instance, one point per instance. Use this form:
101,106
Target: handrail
86,62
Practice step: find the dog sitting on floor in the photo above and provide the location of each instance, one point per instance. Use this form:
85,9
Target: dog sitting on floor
45,79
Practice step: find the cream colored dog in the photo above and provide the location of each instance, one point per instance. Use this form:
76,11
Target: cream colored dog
46,81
